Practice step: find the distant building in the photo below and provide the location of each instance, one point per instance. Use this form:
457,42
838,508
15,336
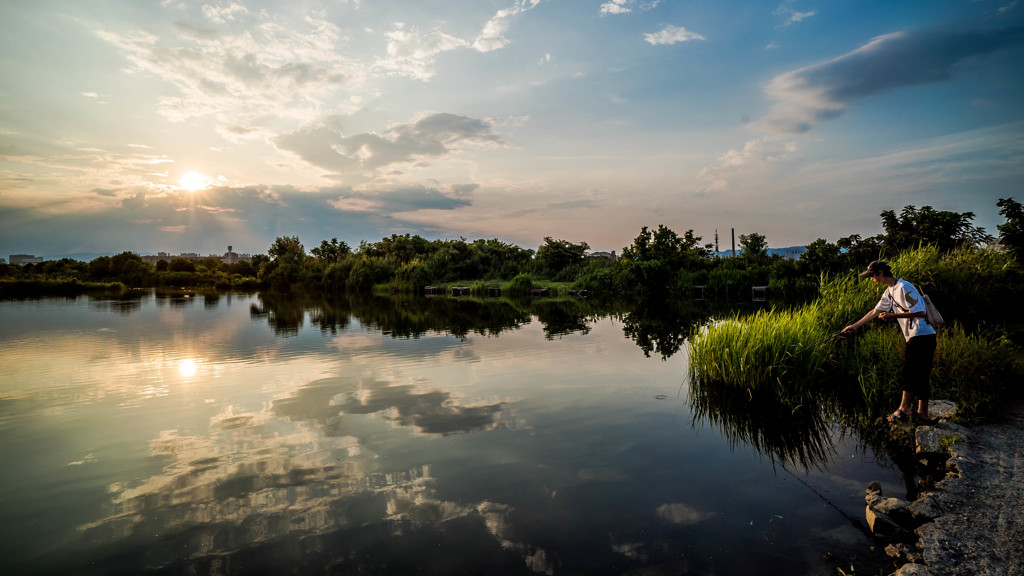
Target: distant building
231,257
609,255
26,259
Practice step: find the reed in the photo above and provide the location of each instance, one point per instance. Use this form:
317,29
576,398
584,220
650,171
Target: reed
764,350
774,348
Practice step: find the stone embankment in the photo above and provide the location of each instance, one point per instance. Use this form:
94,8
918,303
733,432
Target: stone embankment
969,524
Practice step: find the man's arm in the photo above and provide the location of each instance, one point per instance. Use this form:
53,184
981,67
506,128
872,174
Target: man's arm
874,313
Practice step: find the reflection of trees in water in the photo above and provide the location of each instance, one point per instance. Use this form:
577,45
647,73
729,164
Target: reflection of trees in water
663,328
286,313
125,304
410,317
560,317
786,430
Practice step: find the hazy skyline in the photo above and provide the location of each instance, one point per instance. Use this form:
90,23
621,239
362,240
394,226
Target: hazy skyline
188,126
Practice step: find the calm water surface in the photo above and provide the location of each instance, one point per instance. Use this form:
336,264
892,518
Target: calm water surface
237,434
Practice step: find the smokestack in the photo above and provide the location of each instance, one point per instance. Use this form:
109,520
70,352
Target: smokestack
734,242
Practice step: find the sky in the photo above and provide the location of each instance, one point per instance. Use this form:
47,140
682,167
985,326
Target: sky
189,126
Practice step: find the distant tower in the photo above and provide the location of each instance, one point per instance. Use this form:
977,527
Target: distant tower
734,242
716,241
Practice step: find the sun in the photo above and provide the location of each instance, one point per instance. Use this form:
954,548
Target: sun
187,367
193,181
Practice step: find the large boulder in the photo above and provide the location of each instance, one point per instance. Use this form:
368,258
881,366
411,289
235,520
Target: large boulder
935,439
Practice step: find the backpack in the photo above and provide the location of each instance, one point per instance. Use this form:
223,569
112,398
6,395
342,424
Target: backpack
932,313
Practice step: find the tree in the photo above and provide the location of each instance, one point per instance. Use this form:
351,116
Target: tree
287,250
822,256
554,256
664,245
181,265
332,251
940,228
1011,232
859,251
658,263
286,267
754,245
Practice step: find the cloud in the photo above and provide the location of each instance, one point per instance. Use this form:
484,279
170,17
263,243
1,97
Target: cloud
249,217
238,72
672,35
574,204
615,7
626,6
220,15
410,198
792,16
756,156
810,95
432,136
492,37
411,53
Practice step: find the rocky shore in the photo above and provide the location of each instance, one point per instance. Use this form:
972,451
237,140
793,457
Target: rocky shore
969,524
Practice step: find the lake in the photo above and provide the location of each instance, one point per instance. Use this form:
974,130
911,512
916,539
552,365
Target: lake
257,434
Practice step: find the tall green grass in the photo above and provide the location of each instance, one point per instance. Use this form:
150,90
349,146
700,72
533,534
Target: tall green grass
774,348
976,367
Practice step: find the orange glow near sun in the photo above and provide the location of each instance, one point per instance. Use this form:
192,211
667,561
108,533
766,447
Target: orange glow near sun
193,181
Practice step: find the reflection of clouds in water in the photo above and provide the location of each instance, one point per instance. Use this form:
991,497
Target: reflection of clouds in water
257,479
327,400
679,513
631,550
495,516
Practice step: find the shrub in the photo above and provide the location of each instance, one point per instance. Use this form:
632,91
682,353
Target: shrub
521,284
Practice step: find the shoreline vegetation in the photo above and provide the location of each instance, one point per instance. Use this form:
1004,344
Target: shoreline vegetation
766,351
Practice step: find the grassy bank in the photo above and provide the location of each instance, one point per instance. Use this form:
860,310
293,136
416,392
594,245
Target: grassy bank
976,364
521,285
23,287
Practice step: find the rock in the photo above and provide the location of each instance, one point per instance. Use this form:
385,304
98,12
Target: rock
941,409
873,492
933,440
925,508
884,527
903,552
954,427
913,570
896,509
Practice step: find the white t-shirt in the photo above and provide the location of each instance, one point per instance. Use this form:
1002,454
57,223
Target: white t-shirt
901,299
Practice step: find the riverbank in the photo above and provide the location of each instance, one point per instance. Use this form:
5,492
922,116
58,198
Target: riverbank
977,529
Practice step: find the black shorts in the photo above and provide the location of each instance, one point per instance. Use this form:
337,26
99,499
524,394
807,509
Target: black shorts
917,368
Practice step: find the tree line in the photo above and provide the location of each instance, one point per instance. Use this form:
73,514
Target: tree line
660,263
